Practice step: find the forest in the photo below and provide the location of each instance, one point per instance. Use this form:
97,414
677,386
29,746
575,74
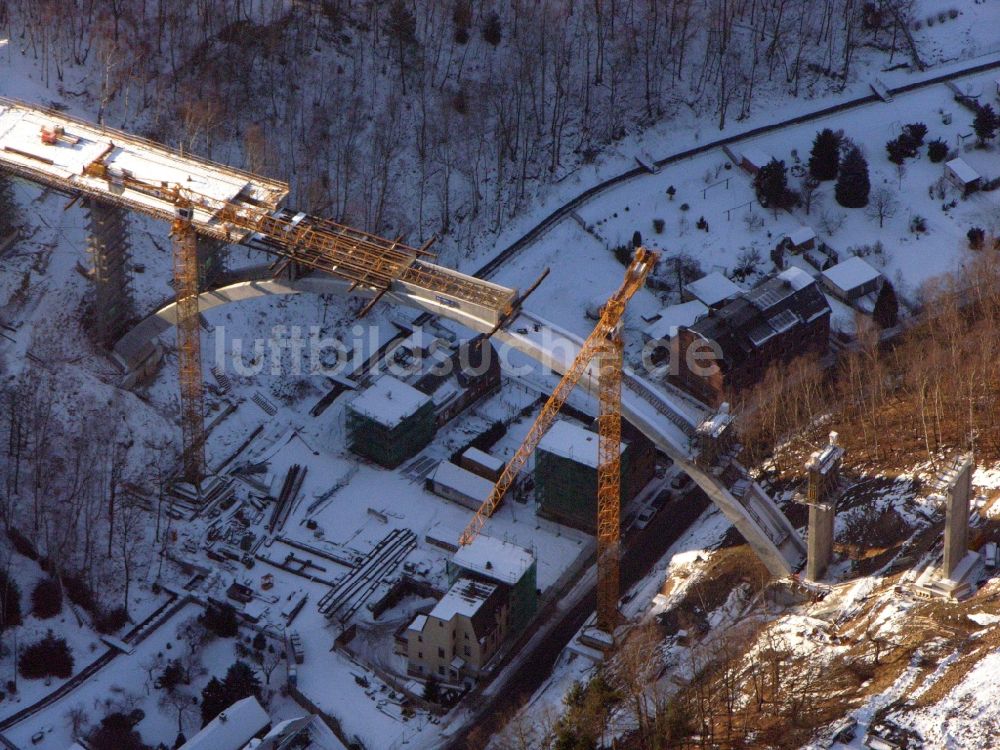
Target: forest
437,117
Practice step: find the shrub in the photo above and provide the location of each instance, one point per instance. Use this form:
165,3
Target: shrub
221,620
685,207
937,150
172,675
658,225
47,657
671,192
110,620
623,254
117,732
953,13
492,31
897,150
918,224
636,238
46,599
977,237
21,543
989,185
747,263
915,132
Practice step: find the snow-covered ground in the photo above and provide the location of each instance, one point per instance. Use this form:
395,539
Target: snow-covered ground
44,294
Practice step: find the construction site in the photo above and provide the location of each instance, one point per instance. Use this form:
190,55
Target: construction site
423,503
233,510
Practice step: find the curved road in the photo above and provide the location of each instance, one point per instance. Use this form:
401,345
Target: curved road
491,266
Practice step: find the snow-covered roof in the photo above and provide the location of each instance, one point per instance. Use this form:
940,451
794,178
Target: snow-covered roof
321,737
573,442
712,288
755,157
684,314
389,401
851,274
492,463
231,729
418,624
462,481
802,235
494,558
465,597
961,169
798,278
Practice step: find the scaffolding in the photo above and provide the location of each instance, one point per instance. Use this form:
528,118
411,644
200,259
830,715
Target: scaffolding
110,257
211,262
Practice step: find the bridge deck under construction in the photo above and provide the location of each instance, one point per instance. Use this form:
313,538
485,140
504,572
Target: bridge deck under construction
79,158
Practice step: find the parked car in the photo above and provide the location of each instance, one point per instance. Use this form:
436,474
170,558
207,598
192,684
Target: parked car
663,497
645,517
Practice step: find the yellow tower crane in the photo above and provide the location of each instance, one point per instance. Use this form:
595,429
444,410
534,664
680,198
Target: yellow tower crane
604,345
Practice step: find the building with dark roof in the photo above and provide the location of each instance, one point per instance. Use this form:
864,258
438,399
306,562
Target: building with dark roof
785,316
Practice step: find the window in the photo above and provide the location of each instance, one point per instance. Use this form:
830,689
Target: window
466,635
440,653
441,670
420,654
468,651
420,639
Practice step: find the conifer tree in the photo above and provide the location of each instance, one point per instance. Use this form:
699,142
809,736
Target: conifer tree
824,159
886,312
853,184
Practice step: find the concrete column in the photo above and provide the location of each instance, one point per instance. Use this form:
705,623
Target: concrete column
823,468
111,261
956,529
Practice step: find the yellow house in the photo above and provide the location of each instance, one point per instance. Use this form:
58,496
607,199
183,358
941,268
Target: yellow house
456,640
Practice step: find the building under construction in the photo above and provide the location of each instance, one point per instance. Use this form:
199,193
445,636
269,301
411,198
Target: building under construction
390,422
566,473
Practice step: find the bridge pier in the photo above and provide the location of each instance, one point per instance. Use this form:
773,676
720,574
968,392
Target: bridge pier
822,493
111,257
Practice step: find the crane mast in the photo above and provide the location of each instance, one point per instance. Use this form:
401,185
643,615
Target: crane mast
192,402
604,344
